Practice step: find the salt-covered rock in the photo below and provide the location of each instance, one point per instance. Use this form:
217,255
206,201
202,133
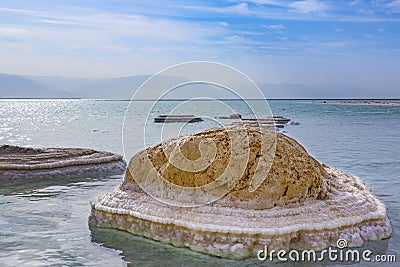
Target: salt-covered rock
25,163
298,203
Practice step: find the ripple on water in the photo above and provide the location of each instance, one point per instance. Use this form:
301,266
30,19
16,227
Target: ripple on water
52,230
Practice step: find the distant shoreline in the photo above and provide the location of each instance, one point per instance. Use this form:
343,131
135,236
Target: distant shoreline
375,102
352,101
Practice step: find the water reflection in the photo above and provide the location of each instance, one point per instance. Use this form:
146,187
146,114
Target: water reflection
139,251
45,188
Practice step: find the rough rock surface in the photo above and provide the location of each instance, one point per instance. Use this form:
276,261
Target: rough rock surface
300,204
294,175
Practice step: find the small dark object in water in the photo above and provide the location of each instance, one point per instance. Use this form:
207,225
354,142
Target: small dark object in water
235,116
272,120
177,118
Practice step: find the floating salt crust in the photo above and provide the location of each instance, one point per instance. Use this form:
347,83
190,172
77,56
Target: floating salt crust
18,163
300,203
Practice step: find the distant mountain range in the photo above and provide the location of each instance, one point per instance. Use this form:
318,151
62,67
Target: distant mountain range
13,86
18,86
24,86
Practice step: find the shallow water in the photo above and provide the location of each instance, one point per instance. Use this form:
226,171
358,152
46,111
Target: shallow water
45,223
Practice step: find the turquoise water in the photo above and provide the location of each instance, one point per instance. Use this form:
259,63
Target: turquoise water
45,223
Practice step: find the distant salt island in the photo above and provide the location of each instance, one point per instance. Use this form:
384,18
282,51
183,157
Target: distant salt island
363,102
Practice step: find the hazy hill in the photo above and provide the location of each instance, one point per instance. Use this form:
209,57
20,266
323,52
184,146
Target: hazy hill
114,88
14,86
17,86
111,88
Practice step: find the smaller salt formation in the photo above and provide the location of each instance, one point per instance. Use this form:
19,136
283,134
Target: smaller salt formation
28,163
301,204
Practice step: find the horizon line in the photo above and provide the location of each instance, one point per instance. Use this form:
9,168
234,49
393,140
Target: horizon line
182,99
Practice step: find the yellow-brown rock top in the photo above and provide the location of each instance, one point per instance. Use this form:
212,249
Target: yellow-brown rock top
293,176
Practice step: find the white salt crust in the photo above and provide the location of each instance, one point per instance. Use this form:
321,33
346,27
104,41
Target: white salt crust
350,212
110,167
29,163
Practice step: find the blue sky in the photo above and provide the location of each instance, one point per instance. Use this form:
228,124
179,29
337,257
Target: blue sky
329,44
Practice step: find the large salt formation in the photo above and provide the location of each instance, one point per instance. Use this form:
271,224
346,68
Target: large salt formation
40,163
299,203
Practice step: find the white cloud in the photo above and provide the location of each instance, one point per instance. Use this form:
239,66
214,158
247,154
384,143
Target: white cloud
309,6
236,39
354,3
369,36
394,6
238,9
223,23
112,27
103,39
394,3
262,2
277,27
21,11
241,8
338,29
304,10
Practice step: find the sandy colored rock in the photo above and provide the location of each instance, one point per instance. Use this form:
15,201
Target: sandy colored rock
294,175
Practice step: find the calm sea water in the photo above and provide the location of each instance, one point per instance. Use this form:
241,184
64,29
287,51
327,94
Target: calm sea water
45,223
